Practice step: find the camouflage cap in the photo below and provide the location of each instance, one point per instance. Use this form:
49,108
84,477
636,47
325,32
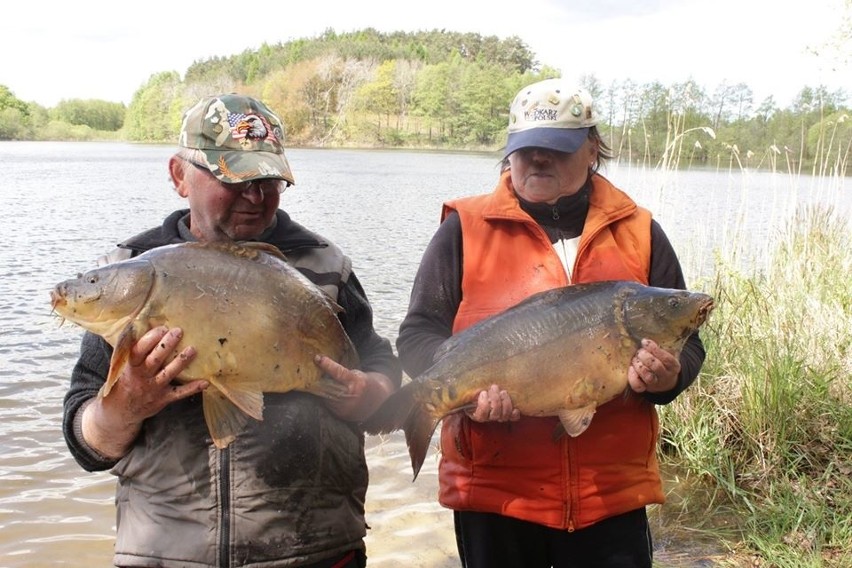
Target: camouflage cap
239,138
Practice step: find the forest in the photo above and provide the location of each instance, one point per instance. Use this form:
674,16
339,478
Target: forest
450,90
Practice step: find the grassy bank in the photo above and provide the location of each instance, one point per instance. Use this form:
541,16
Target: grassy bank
764,437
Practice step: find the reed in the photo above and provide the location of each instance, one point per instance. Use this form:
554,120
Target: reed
768,423
761,444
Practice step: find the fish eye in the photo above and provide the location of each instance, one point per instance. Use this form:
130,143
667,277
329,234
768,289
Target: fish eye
674,302
92,279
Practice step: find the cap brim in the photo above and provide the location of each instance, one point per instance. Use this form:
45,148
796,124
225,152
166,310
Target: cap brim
559,139
233,166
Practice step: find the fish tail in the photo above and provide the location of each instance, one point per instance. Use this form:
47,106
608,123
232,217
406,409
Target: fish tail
419,427
393,413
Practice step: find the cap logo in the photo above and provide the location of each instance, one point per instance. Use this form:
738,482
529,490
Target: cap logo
249,127
541,114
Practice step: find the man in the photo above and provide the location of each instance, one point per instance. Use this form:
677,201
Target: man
290,490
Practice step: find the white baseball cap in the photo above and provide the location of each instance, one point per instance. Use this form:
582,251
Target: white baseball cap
552,114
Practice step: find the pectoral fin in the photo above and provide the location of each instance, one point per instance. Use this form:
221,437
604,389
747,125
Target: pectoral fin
119,359
246,396
576,421
224,419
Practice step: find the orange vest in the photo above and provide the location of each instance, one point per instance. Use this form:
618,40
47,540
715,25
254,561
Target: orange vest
516,469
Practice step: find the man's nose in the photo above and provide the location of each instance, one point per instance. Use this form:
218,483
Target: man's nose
253,193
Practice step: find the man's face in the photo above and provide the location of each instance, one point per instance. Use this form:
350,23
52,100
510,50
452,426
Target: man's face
218,210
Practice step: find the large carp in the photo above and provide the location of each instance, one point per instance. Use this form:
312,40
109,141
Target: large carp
562,352
255,321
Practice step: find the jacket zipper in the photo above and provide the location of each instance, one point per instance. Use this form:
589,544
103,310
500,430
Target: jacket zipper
224,507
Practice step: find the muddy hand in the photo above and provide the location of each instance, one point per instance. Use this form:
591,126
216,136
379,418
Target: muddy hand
365,391
653,369
111,423
145,386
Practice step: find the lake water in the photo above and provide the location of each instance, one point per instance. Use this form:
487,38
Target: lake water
63,204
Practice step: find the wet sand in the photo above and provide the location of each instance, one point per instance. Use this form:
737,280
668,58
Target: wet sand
407,525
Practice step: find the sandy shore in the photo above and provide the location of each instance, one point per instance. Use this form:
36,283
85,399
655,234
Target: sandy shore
407,525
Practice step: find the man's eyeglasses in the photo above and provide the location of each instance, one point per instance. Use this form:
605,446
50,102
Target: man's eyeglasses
263,185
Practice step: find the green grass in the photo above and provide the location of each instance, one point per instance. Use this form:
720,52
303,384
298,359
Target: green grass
766,430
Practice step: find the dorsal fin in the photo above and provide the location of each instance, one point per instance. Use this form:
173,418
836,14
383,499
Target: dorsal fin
244,249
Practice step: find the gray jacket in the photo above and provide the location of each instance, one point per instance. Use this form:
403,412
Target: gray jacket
288,491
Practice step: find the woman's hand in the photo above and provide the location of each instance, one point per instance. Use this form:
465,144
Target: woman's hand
494,405
653,369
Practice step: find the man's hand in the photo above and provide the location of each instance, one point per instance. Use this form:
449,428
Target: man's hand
365,391
111,423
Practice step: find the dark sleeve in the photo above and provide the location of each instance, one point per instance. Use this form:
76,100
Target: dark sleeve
375,352
666,272
88,376
435,299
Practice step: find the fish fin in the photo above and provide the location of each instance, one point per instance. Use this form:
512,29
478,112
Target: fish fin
465,408
419,427
403,410
576,421
119,359
224,419
248,397
264,247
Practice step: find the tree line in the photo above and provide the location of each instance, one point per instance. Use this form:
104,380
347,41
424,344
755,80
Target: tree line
452,90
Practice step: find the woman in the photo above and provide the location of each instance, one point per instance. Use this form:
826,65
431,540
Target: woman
519,497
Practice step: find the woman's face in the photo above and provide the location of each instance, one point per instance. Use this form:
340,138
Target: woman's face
543,176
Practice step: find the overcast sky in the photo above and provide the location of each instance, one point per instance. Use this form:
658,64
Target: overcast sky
53,50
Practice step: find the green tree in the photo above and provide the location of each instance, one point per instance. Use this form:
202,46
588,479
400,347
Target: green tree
381,96
484,96
97,114
156,109
9,100
14,116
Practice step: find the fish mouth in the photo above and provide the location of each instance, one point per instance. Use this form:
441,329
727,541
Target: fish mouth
57,299
704,310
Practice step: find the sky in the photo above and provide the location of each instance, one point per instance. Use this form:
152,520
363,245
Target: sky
52,50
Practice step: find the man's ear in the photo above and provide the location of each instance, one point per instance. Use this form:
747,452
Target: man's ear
177,171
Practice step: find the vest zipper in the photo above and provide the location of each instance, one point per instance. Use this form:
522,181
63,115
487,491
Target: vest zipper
225,508
554,212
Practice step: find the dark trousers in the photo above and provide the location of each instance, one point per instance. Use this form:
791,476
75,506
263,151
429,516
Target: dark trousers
487,540
351,559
